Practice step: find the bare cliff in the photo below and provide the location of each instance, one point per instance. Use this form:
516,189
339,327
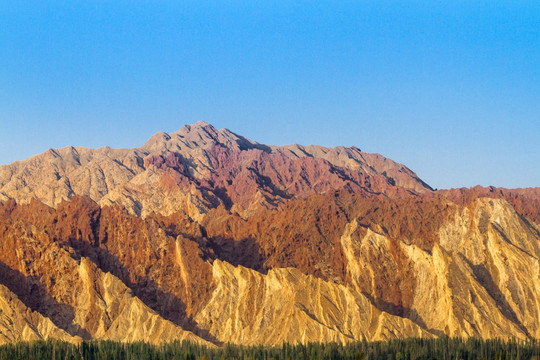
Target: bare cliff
207,236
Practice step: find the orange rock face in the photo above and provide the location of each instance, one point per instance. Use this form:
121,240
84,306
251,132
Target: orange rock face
208,236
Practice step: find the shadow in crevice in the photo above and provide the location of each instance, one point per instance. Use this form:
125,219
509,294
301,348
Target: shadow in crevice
34,295
265,182
313,317
486,280
245,144
529,225
246,252
403,312
221,193
166,304
500,231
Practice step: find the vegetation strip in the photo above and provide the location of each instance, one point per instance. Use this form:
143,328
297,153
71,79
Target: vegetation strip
397,349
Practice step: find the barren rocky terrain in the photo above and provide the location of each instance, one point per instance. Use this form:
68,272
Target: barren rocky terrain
205,235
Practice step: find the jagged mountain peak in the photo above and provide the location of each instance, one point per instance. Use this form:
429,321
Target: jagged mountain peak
199,128
201,135
228,240
200,168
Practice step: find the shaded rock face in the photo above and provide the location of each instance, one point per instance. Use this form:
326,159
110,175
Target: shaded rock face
207,236
43,264
20,323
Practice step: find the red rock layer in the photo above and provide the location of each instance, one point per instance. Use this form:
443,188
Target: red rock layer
137,251
165,260
525,201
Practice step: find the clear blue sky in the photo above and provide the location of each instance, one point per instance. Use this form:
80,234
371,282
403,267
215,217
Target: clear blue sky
449,88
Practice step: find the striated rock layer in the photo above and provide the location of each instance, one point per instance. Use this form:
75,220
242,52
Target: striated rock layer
284,305
207,236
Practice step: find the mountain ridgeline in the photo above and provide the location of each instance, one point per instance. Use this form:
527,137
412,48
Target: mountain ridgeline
206,236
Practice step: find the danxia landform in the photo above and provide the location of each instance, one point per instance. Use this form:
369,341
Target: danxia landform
207,236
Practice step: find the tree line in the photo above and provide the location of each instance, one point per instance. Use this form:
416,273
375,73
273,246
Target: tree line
443,348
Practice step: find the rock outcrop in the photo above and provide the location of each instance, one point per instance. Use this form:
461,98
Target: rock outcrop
207,236
284,305
76,297
19,323
199,168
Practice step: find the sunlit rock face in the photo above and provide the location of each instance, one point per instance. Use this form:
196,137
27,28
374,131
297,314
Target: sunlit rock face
207,236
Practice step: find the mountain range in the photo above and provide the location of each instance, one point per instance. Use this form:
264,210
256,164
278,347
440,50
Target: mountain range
205,235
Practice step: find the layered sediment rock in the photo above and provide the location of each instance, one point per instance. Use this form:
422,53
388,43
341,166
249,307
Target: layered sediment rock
207,236
19,323
284,305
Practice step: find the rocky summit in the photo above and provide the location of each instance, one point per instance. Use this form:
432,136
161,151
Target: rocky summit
207,236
